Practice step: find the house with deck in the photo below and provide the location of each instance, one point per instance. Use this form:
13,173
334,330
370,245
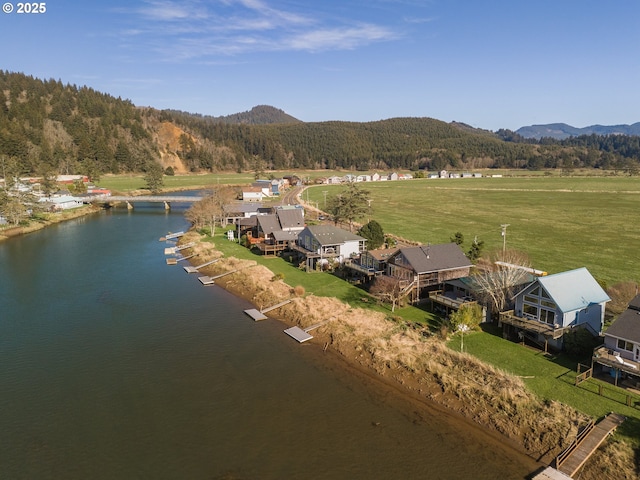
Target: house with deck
323,245
276,232
620,353
555,304
425,267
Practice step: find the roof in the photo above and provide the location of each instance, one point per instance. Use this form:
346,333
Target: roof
627,325
290,218
242,207
435,258
268,223
282,236
635,302
574,289
329,235
382,254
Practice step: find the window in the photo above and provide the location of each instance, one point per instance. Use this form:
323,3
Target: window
547,316
548,304
530,311
529,299
624,345
535,291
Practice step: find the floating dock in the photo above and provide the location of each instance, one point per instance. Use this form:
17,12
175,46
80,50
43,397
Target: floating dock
298,334
257,315
206,280
169,236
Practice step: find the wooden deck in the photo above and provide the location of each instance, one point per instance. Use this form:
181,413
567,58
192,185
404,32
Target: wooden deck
570,461
529,325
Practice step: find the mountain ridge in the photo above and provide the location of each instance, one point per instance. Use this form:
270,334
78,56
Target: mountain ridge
561,131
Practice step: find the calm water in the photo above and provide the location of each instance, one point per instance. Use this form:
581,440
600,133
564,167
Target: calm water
114,365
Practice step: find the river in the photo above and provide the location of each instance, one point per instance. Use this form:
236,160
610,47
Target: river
114,365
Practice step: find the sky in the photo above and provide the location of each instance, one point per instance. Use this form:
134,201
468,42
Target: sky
491,64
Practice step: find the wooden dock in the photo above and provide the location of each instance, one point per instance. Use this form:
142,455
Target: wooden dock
265,310
206,280
570,461
169,236
192,269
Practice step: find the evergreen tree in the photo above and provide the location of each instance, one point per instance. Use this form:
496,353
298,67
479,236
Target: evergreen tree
374,234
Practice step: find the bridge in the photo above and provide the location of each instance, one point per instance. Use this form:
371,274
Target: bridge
167,200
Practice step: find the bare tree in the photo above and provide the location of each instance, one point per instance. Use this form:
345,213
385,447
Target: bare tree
388,289
211,210
499,276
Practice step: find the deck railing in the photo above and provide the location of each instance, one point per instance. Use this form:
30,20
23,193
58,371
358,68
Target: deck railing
545,329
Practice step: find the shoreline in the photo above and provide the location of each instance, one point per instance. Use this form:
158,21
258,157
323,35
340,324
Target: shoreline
54,218
421,389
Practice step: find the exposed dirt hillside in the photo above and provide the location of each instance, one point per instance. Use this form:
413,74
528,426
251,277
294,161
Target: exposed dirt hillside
167,138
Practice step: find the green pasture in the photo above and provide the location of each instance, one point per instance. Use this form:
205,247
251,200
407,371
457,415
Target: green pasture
562,223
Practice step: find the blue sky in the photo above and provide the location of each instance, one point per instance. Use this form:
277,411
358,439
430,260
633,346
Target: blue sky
491,64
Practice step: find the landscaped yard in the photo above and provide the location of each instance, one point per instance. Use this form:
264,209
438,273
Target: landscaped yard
552,377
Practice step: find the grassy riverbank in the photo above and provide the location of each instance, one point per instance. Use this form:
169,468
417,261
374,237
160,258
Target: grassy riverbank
45,220
485,385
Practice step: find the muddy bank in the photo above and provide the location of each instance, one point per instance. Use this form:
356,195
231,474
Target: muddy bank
415,365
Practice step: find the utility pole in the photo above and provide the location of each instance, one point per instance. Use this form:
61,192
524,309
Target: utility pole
504,236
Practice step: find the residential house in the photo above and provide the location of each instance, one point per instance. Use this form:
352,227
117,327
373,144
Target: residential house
57,203
458,291
274,233
393,176
321,244
334,180
375,177
405,176
553,305
252,194
620,353
265,185
427,266
444,174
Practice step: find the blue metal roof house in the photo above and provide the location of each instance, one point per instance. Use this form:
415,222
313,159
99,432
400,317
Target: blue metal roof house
554,304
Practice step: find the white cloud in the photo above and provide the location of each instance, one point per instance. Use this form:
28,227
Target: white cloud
197,29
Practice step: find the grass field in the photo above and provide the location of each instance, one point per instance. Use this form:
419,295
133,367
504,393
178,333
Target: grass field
560,222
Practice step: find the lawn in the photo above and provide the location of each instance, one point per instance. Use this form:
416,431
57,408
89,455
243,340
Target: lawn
551,377
322,284
562,223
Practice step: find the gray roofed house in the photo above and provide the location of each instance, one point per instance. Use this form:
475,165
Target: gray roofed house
291,218
426,266
624,333
327,241
621,349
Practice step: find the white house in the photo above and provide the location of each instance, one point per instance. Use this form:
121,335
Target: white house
321,243
61,202
252,194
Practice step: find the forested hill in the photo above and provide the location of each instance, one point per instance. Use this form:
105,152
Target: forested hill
50,127
258,115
